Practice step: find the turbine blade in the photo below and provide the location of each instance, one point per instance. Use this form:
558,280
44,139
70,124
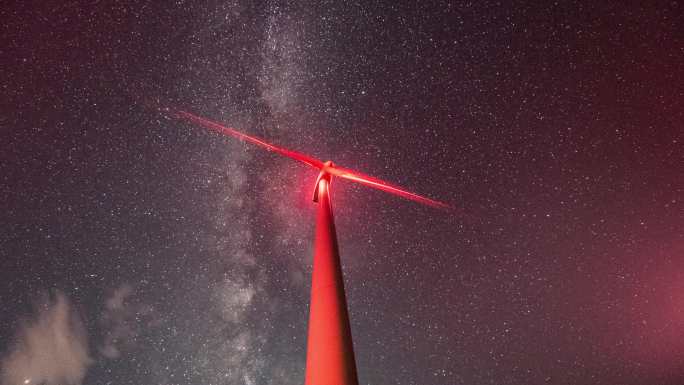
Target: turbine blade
382,185
313,162
217,127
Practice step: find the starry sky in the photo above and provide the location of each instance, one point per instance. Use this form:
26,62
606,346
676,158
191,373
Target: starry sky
141,249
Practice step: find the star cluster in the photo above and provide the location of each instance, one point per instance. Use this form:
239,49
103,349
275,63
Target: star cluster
139,248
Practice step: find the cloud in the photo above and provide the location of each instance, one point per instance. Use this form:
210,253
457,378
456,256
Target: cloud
50,349
124,319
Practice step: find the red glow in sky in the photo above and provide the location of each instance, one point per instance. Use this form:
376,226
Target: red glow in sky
657,312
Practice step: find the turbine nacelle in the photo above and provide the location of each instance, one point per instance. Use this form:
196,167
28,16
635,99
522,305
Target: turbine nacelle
324,175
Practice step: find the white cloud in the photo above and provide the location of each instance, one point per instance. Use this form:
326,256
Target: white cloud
124,319
51,349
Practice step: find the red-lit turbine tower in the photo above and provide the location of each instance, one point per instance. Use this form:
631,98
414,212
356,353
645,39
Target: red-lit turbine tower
330,352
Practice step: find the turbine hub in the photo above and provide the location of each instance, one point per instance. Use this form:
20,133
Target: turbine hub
323,175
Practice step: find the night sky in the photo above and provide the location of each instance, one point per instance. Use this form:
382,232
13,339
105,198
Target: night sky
136,248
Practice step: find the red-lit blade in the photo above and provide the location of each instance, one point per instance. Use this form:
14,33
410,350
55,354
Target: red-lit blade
313,162
382,185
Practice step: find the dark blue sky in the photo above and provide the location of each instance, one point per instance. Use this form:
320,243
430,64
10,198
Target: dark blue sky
165,254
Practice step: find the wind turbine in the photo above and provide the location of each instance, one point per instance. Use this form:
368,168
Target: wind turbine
330,352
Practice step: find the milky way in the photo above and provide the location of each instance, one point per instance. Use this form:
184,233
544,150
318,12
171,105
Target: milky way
137,248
